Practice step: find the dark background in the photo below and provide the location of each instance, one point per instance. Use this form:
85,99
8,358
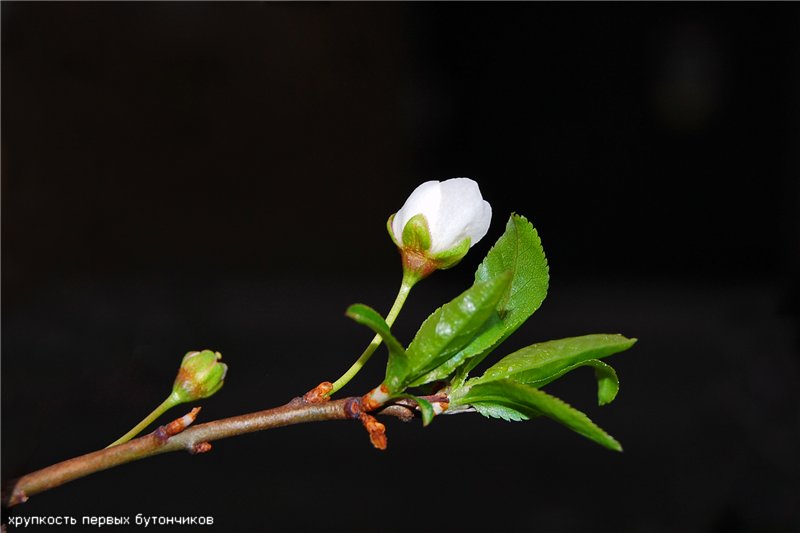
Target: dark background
190,175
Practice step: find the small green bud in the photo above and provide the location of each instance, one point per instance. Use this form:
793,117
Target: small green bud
201,375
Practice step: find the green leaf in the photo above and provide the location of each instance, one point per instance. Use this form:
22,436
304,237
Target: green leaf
425,408
495,410
491,330
519,251
542,363
533,402
606,376
448,329
367,316
607,381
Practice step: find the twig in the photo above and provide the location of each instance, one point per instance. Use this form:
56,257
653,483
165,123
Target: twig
196,439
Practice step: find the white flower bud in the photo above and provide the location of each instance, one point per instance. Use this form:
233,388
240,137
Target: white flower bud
454,210
439,223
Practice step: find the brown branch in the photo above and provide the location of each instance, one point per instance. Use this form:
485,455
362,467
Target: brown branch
196,439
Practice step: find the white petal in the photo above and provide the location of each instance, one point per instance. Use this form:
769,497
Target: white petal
424,199
462,213
479,227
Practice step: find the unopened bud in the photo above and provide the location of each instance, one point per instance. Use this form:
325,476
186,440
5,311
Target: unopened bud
201,375
438,224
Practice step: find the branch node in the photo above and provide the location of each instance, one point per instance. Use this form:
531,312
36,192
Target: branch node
163,433
440,407
375,398
352,408
200,447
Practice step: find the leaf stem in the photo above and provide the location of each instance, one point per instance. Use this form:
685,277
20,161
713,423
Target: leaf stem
409,280
165,406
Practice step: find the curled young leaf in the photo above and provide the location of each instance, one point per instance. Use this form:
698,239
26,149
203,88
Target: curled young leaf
398,362
542,363
367,316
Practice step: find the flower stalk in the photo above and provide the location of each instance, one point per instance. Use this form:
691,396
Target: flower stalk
409,280
171,401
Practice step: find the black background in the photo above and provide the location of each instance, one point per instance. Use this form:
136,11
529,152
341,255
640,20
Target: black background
186,175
